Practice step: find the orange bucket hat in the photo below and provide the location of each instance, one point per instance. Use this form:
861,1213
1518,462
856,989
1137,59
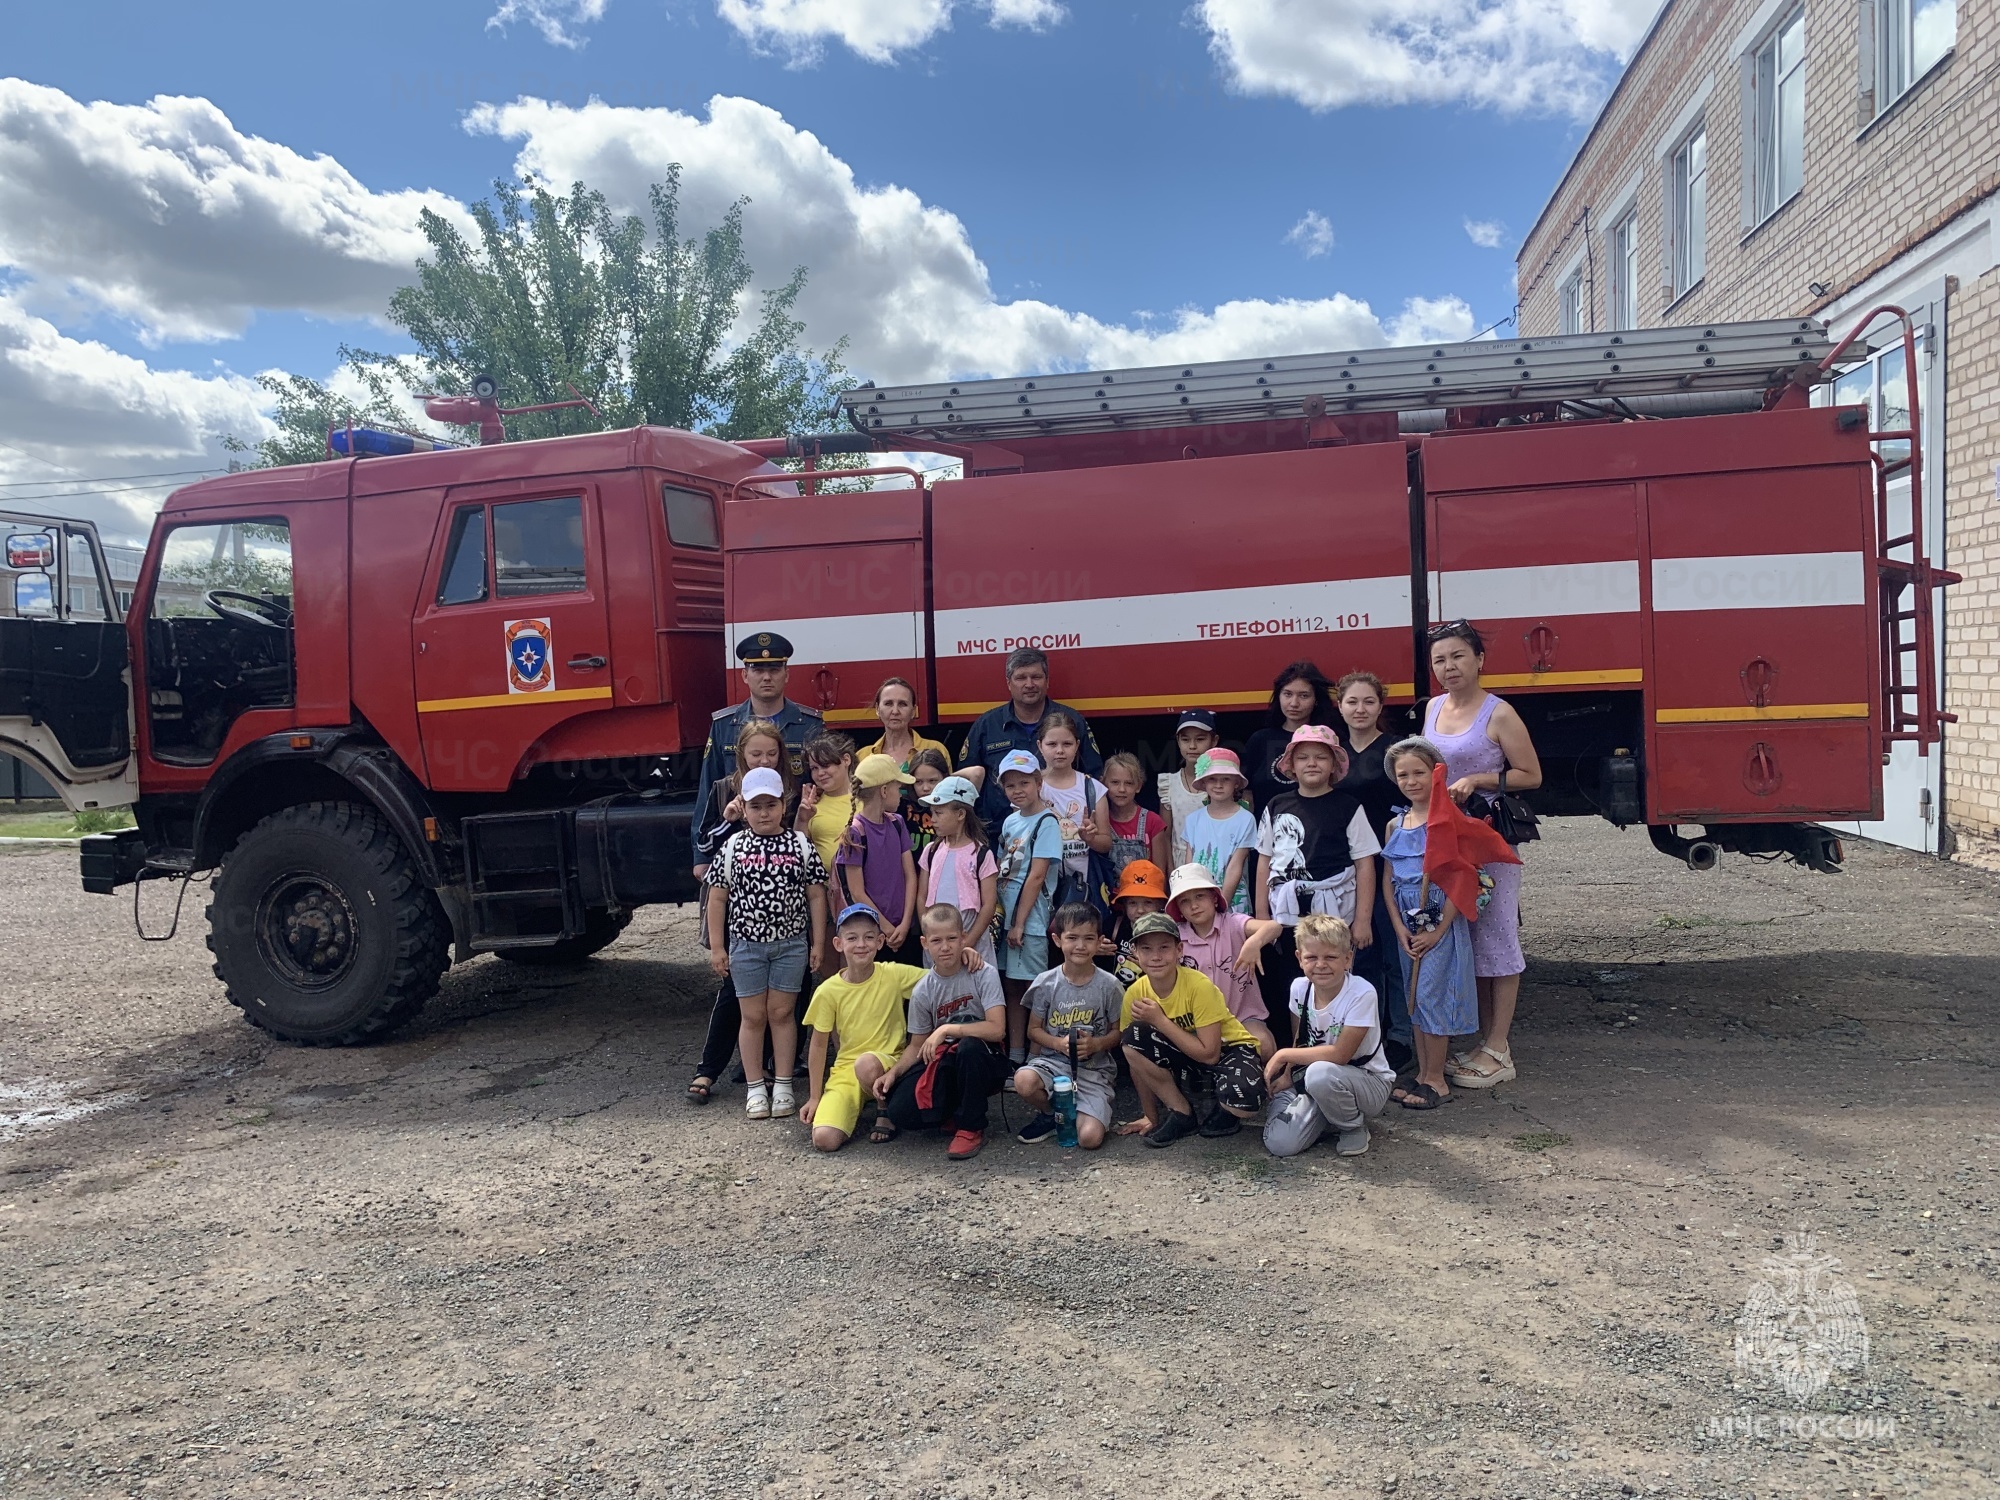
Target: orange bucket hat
1142,878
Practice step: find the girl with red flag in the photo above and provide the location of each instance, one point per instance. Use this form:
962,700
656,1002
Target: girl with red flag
1435,852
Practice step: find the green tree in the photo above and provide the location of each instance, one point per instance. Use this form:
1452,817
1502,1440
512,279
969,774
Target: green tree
553,292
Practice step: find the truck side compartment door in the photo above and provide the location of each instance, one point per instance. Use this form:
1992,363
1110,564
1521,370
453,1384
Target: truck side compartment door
1222,572
510,632
841,577
1765,661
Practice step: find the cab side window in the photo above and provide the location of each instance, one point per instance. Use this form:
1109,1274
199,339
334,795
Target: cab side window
218,634
538,547
690,519
463,579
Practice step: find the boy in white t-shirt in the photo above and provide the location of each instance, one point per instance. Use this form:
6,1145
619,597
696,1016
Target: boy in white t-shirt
1337,1076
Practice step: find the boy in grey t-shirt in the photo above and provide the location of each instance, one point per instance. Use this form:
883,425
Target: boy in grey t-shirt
1076,1000
954,1061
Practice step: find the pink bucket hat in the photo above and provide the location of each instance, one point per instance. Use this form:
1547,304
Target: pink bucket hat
1219,762
1314,734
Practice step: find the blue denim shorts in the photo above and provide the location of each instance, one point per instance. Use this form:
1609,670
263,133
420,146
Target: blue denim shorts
1028,960
757,967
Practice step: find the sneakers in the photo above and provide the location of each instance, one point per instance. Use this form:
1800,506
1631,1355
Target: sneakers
1220,1123
965,1144
783,1105
1171,1128
1353,1141
1037,1130
757,1101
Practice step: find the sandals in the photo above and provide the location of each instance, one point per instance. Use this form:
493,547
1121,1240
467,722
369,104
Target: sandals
884,1131
701,1091
1471,1076
1423,1096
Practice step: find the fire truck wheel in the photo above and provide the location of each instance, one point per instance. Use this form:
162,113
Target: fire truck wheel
322,930
602,932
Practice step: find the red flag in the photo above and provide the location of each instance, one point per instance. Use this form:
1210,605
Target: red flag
1456,845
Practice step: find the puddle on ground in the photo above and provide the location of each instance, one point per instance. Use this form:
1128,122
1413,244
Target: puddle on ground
35,1105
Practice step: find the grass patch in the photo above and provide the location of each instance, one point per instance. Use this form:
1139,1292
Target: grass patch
1539,1140
63,825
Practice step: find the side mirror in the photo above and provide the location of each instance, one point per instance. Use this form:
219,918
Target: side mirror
33,595
31,550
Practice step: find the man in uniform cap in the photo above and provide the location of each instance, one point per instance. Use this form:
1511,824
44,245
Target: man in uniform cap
766,658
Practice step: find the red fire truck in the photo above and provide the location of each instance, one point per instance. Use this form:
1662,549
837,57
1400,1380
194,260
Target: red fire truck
418,702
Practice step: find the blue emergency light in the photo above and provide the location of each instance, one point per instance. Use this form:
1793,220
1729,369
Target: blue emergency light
375,442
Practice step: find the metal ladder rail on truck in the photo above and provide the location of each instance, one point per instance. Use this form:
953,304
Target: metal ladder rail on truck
419,703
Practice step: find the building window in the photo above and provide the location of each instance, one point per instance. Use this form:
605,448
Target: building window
1625,271
1570,297
1688,211
1910,37
1780,115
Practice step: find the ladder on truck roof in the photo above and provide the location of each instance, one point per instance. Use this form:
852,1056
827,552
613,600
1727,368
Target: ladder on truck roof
1563,367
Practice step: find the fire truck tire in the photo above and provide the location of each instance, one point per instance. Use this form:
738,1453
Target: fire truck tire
322,930
602,932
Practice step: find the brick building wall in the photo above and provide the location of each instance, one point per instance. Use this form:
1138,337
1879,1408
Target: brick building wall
1877,189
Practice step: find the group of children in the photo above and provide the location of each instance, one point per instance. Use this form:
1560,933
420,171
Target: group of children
951,967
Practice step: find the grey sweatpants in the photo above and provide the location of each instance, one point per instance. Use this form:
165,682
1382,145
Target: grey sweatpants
1336,1095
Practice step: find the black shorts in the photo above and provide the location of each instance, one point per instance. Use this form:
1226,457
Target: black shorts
1237,1075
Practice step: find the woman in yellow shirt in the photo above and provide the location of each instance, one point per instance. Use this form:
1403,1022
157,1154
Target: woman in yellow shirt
896,707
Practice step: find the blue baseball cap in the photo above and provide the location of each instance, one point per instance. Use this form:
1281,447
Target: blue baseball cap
1196,718
857,909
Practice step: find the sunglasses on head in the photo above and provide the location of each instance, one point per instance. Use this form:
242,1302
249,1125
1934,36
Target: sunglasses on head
1446,628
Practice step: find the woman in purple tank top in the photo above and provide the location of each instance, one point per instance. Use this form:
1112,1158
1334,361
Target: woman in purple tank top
1482,738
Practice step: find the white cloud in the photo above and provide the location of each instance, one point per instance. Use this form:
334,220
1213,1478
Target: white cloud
896,276
1485,233
78,406
1312,234
166,214
1526,56
874,29
556,20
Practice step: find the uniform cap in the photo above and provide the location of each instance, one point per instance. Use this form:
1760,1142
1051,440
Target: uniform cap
1019,760
952,789
1142,878
764,648
1156,921
880,770
762,781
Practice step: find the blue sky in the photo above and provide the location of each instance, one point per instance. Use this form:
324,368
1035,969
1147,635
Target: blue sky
1137,181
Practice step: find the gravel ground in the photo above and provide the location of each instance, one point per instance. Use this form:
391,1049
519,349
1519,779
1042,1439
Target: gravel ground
500,1256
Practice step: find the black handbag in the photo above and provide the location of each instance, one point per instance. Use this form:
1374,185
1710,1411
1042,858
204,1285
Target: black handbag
1508,813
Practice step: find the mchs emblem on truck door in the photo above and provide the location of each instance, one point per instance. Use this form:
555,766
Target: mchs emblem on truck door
530,645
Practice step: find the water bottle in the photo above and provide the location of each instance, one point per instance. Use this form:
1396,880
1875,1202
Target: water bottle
1065,1112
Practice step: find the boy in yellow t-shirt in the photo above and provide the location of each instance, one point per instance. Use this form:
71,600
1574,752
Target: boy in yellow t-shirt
1179,1034
864,1005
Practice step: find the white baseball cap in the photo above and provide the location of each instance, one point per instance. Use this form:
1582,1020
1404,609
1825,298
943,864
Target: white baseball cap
1019,760
762,781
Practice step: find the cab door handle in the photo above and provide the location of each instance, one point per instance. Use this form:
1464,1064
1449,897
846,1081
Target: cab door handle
586,663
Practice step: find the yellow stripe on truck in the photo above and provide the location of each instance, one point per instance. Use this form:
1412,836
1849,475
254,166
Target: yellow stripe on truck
513,700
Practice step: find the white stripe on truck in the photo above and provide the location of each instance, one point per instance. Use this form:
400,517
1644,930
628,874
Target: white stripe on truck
1279,609
1782,580
1591,588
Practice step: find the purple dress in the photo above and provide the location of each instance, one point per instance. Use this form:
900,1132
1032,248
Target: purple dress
1496,936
